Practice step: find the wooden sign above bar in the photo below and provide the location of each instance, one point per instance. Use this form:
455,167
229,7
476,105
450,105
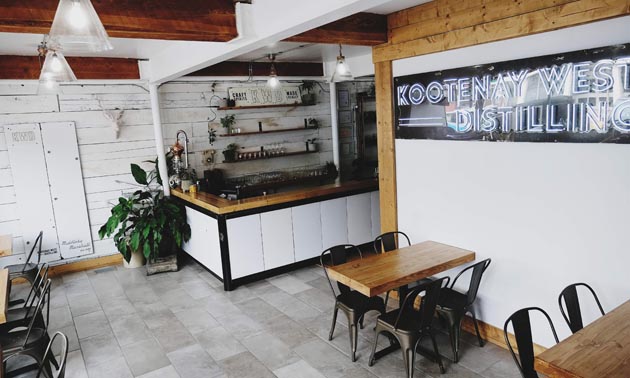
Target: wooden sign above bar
264,96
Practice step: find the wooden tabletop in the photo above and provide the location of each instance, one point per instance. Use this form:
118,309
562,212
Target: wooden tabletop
220,205
601,349
6,245
375,275
4,294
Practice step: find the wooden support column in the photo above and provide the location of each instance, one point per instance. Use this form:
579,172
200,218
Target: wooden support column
386,145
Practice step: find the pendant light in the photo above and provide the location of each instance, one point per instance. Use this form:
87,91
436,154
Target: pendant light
342,70
55,70
273,81
77,27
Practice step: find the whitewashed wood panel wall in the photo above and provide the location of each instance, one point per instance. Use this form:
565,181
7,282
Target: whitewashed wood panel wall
105,159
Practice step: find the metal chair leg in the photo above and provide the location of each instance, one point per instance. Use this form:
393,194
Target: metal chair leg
371,360
481,341
437,352
334,321
354,335
386,300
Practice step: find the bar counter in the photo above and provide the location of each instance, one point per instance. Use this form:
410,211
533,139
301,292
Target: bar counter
241,241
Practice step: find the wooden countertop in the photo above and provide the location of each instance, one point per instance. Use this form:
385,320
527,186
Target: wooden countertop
6,245
220,205
601,349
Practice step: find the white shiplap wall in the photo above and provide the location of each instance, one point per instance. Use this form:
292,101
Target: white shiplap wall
105,159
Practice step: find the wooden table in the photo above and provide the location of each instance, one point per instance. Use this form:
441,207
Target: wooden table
4,294
6,245
601,349
375,275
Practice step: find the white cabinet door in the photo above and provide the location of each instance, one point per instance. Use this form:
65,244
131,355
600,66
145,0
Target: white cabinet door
245,241
277,238
307,231
334,223
204,245
376,214
359,219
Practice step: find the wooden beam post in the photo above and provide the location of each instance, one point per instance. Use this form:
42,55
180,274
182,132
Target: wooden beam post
386,145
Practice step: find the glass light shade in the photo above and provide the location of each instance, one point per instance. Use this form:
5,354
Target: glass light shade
54,71
273,81
342,71
77,27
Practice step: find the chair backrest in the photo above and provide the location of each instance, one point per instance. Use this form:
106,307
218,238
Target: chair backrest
37,286
63,355
390,240
43,299
522,327
429,302
475,279
36,245
337,255
573,314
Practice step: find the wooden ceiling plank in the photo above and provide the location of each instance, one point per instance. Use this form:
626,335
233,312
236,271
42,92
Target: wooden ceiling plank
14,67
363,29
233,68
191,20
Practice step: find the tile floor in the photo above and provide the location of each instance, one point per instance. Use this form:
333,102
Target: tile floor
121,323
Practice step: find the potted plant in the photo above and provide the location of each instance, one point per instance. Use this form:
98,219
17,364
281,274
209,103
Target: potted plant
147,222
227,122
229,153
313,123
310,145
308,98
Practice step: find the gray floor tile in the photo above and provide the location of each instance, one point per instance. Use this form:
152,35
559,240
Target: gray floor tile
173,337
289,284
244,365
325,358
115,368
99,349
117,306
219,343
196,320
194,362
258,309
144,356
240,325
198,289
289,331
270,350
75,367
91,324
83,304
129,329
165,372
298,369
60,317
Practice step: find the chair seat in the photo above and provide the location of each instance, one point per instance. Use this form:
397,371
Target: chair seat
14,341
452,299
409,321
17,269
355,301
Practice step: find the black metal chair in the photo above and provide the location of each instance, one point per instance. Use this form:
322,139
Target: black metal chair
49,358
31,341
354,304
28,270
453,305
523,334
21,316
573,314
409,326
390,241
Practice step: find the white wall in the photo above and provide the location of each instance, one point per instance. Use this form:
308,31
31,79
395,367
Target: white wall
547,214
105,159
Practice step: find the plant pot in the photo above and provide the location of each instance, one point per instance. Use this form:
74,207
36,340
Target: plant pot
311,147
162,264
229,155
137,260
186,185
308,98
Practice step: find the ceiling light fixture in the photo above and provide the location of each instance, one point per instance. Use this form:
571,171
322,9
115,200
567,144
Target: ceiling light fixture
55,70
342,70
273,81
78,28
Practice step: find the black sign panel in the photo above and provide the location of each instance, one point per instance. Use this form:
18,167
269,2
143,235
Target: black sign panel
581,96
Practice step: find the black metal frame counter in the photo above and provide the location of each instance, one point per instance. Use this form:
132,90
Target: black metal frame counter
244,241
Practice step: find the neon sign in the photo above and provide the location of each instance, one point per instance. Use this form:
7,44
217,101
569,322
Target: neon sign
582,96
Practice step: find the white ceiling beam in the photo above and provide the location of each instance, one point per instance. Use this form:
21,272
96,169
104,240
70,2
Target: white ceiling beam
266,22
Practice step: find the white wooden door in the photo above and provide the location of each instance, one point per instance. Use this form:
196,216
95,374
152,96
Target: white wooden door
32,190
277,238
307,231
359,219
245,241
334,222
66,188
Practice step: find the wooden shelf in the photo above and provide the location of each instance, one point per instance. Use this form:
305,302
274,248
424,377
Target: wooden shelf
261,106
268,131
273,157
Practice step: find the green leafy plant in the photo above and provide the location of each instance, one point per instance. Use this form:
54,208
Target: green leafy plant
228,121
146,221
229,153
